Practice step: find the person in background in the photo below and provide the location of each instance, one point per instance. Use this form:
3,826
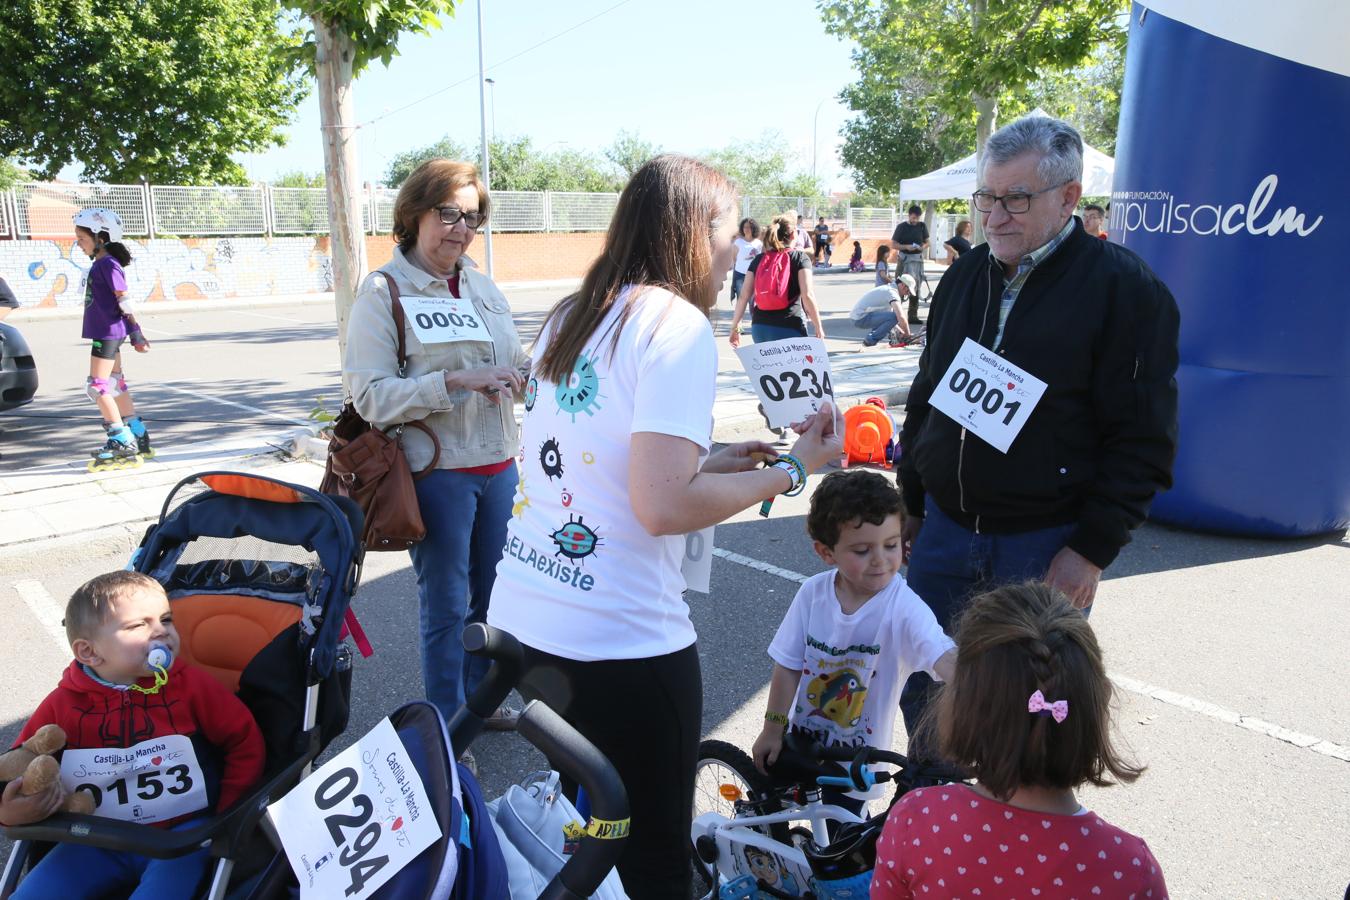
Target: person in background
855,262
802,238
1093,219
748,246
910,240
883,267
9,302
882,309
788,318
958,243
823,244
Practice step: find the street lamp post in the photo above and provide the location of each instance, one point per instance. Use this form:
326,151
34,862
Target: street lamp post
815,121
492,94
482,123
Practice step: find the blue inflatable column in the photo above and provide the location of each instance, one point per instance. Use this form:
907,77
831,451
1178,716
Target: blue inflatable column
1232,181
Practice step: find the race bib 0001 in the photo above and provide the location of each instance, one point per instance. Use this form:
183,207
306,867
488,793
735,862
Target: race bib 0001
443,320
987,395
155,780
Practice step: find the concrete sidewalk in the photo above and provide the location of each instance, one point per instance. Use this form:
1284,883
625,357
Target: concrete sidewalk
63,511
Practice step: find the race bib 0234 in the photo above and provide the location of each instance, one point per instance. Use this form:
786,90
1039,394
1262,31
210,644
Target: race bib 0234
791,377
155,780
987,395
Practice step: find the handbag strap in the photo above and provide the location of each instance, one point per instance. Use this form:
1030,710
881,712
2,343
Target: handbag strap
399,318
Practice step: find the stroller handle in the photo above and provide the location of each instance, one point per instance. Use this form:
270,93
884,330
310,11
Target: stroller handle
508,662
608,827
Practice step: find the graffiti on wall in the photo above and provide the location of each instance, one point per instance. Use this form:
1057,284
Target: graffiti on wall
52,273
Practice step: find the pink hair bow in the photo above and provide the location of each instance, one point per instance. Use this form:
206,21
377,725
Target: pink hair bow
1036,704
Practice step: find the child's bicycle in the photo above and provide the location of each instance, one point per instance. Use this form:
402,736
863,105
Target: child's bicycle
748,840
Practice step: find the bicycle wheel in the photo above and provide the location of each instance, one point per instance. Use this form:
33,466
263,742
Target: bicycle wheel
725,774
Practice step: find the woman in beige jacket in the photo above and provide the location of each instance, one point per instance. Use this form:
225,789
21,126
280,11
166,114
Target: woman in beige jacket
465,366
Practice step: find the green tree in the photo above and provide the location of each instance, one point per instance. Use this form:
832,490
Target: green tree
299,179
347,35
973,53
765,166
629,152
168,90
11,173
401,166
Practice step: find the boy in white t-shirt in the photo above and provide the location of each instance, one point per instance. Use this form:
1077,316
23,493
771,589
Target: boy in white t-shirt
853,634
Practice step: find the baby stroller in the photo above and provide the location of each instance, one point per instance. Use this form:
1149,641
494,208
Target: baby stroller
259,575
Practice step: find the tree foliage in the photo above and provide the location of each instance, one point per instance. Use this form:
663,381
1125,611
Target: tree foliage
518,166
298,179
162,89
765,166
372,26
629,152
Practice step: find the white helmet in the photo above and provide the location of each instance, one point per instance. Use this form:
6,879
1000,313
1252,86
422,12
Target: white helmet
99,219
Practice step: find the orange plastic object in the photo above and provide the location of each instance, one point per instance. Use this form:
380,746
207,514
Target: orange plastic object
867,430
221,633
729,792
252,488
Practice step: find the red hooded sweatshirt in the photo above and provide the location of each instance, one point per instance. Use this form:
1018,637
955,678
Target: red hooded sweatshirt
191,703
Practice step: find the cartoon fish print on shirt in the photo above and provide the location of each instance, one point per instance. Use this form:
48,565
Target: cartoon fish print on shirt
837,696
575,540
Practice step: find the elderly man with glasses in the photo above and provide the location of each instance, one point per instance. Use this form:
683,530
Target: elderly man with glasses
1042,420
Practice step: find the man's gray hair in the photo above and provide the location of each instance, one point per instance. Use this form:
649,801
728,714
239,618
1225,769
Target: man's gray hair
1056,142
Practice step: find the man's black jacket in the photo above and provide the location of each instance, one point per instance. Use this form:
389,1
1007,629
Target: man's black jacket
1095,324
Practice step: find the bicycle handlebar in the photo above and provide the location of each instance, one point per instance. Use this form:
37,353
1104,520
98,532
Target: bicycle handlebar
508,661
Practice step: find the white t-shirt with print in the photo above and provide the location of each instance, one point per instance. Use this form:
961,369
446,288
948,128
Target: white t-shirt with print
746,251
853,666
580,577
877,299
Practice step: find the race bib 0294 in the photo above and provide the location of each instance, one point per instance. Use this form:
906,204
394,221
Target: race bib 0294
155,780
353,824
987,395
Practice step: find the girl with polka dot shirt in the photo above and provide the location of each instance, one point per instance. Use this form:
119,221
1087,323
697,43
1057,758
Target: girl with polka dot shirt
1028,712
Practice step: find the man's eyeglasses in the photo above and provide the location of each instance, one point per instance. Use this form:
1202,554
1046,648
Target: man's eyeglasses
452,214
1015,203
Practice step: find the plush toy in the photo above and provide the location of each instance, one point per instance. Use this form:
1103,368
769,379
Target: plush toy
32,760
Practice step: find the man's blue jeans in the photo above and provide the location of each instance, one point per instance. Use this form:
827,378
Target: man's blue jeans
949,565
877,324
456,564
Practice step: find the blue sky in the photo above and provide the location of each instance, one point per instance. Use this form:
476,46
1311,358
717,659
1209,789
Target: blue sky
689,76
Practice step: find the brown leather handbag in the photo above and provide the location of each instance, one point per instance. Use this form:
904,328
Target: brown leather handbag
367,464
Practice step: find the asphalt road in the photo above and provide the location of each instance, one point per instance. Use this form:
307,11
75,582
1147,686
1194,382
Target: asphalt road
1224,625
255,371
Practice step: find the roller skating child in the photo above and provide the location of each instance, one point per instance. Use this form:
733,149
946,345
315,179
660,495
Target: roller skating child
109,320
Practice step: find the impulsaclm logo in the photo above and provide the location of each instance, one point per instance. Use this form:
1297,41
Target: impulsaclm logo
1161,211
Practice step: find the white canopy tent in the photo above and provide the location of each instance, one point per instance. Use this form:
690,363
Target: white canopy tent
957,181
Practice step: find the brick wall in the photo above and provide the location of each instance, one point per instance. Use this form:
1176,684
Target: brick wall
542,256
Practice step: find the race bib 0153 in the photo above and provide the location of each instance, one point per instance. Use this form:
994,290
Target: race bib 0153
155,780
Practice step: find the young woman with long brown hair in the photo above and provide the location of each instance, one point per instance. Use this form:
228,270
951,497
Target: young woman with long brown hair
616,471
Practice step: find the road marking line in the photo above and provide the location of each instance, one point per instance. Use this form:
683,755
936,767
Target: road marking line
154,331
244,406
44,607
241,312
1134,686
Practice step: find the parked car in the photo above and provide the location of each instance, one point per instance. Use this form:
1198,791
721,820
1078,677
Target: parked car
18,372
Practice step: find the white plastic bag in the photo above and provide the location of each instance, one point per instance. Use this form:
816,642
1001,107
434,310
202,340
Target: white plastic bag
530,819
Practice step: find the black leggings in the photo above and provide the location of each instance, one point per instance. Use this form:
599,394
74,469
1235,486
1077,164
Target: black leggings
646,715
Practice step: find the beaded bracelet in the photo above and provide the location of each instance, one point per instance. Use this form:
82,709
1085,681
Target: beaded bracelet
796,471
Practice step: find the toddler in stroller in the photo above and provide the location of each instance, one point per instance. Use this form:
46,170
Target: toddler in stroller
259,575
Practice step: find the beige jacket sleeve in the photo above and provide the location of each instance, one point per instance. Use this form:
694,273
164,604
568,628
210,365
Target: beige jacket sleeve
371,364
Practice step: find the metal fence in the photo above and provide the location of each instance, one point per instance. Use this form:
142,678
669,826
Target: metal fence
871,222
45,210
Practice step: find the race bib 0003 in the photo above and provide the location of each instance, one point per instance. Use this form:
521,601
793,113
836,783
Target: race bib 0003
443,320
155,780
987,395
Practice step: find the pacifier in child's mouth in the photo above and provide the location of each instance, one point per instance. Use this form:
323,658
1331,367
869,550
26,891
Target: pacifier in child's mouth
159,657
158,660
